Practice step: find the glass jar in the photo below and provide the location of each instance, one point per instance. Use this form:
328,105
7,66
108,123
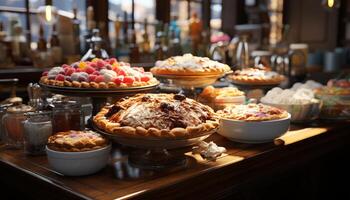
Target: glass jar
13,125
37,129
67,115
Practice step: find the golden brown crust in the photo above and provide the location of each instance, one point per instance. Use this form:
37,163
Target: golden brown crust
254,76
189,65
76,141
156,115
102,85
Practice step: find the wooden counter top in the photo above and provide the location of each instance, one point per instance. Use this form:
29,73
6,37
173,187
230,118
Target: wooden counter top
199,178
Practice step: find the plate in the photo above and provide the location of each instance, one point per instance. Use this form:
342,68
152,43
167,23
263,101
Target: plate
143,142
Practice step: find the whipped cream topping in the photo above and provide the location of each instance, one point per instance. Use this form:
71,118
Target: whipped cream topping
188,61
208,150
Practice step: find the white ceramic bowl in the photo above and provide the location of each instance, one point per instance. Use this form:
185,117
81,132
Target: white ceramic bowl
300,112
78,163
253,132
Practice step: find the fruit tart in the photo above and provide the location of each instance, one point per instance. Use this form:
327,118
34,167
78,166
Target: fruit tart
98,73
256,76
156,115
76,141
252,112
189,65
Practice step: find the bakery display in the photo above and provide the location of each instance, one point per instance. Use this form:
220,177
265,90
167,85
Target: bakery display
156,115
76,141
336,102
256,76
189,65
252,112
253,123
98,74
299,101
219,98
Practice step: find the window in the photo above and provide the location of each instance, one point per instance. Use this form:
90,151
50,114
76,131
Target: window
143,9
15,10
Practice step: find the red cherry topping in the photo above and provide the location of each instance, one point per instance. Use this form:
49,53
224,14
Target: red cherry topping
59,77
99,79
128,79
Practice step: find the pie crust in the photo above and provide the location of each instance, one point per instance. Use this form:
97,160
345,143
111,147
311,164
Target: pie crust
252,112
156,115
98,74
256,76
76,141
189,65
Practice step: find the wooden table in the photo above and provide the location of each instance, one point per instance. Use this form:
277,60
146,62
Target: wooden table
201,178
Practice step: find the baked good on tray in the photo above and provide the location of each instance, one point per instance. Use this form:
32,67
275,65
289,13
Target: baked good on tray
76,141
98,73
256,76
252,112
189,65
156,115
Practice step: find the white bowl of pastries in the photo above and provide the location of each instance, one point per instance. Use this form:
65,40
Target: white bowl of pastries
77,153
299,101
219,98
253,123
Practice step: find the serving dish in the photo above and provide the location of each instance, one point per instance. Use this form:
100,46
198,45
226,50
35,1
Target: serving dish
253,131
299,112
78,163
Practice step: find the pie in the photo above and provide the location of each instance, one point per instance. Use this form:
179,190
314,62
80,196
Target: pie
252,112
156,115
98,73
189,65
255,76
211,94
76,141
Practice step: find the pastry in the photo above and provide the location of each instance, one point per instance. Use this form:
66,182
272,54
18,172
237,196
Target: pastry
210,93
76,141
252,112
189,65
156,115
98,73
255,76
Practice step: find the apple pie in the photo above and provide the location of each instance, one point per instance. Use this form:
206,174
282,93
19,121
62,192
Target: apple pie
76,141
255,76
156,115
252,112
189,65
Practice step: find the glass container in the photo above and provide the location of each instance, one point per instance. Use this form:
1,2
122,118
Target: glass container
67,115
37,129
13,125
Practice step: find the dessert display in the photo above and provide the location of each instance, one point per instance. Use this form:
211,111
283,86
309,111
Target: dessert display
336,102
252,112
77,153
98,74
156,115
76,141
256,76
253,123
219,98
299,100
188,65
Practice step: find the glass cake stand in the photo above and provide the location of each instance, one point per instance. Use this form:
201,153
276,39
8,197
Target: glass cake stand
156,154
99,96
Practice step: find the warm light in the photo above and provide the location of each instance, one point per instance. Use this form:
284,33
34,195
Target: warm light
48,13
330,3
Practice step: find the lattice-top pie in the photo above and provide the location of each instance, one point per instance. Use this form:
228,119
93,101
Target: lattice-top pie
98,73
76,141
255,76
252,112
189,65
156,115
